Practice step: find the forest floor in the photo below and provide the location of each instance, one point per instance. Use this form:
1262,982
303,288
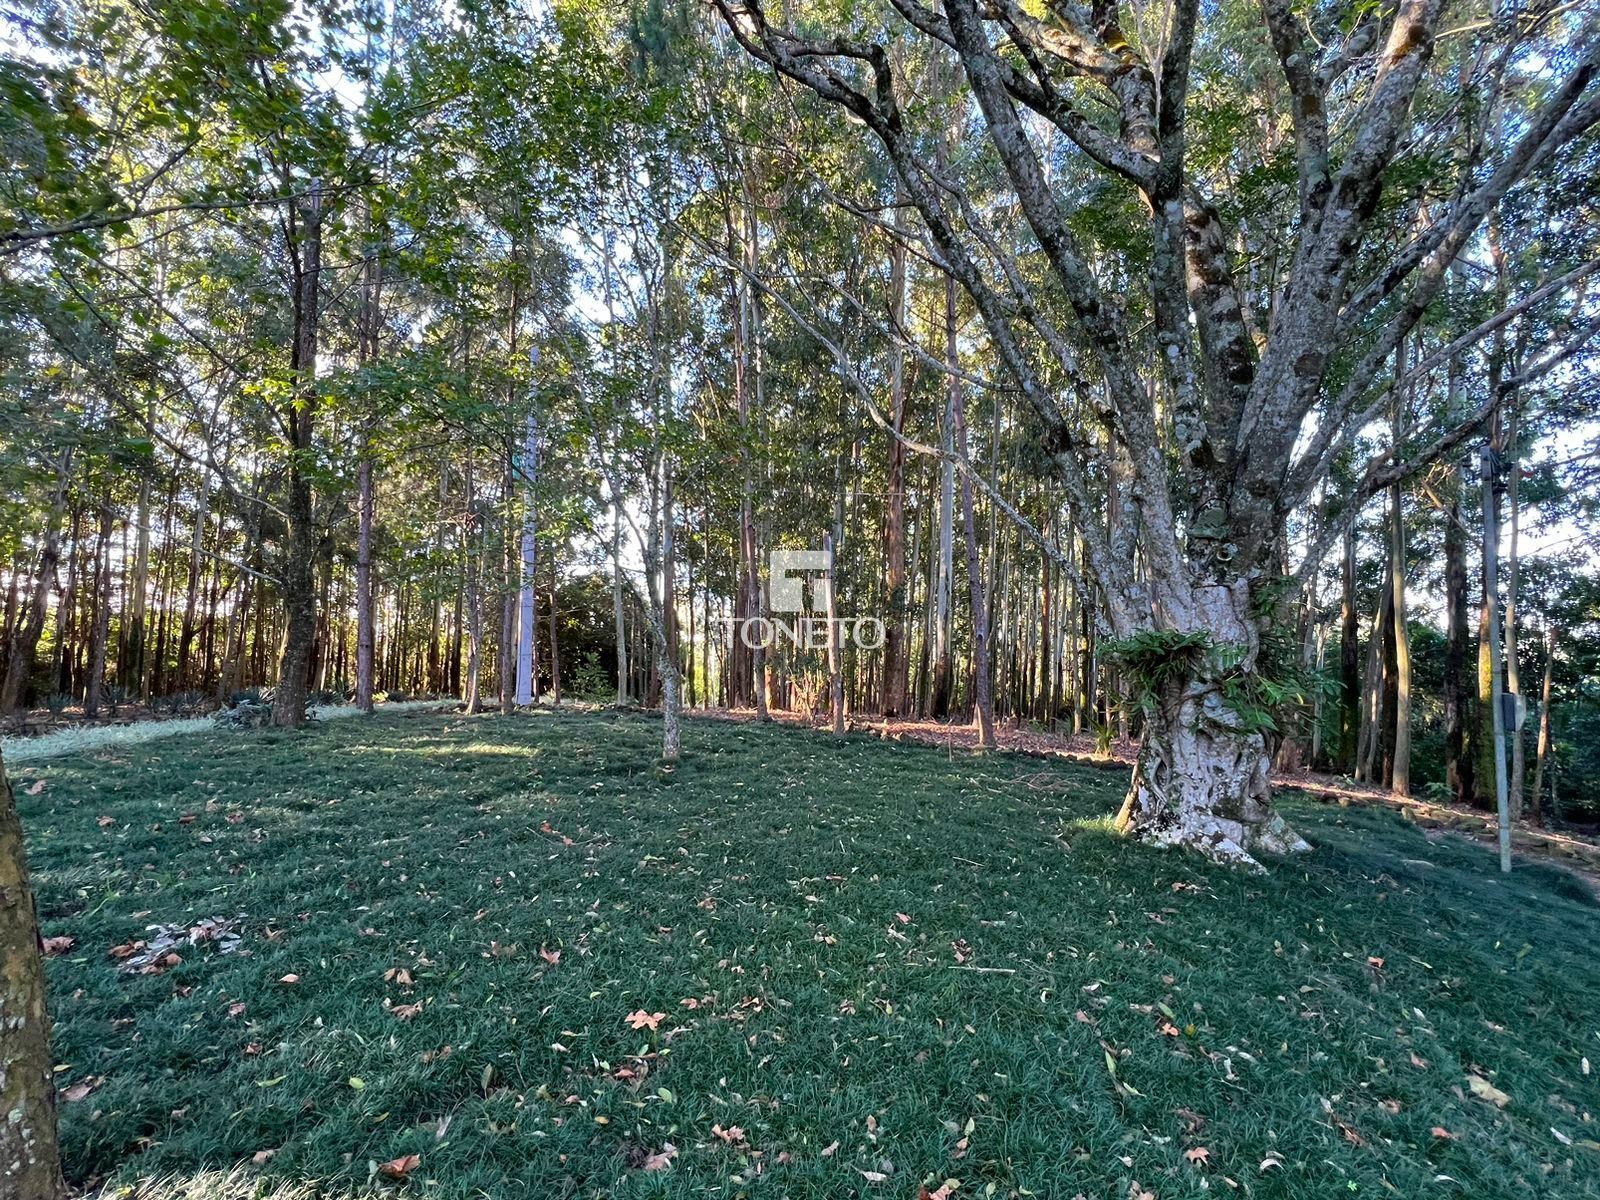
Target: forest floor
517,956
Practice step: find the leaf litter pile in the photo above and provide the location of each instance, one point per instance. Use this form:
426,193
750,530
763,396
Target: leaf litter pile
517,956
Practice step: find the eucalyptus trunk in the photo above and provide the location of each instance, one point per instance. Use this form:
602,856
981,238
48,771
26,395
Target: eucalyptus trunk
297,580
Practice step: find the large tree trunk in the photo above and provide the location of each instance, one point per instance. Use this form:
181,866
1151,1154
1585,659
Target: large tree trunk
1201,777
297,583
30,1159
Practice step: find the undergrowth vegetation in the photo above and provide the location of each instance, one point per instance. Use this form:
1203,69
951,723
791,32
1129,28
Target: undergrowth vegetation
515,956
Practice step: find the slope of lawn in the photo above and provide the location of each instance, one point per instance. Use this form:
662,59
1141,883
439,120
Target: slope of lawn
857,969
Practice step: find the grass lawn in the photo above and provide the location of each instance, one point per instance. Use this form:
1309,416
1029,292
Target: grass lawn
878,968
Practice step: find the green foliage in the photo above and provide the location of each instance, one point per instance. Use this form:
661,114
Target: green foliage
1155,659
758,878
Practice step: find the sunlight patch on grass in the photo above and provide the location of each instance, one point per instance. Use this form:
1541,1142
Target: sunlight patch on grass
86,740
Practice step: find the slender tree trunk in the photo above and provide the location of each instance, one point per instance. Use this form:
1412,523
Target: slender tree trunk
1519,751
1542,753
100,626
473,536
896,658
67,613
371,324
982,683
1458,689
618,606
835,662
527,639
944,565
27,631
555,638
1400,770
1349,659
30,1158
131,657
191,599
297,582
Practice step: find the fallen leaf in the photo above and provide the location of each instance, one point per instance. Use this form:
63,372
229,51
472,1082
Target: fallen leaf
1484,1090
82,1088
406,1011
640,1019
399,1168
262,1157
35,787
106,821
1269,1162
236,1009
290,979
732,1135
1198,1155
872,1176
661,1161
943,1192
58,945
827,1151
553,957
1443,1134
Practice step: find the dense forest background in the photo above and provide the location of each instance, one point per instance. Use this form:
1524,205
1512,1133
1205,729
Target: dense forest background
457,329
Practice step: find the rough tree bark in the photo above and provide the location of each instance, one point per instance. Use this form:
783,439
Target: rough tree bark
297,581
30,1158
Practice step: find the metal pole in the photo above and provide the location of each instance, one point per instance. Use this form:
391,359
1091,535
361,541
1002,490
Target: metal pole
1491,599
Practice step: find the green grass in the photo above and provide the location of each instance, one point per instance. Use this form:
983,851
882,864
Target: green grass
814,900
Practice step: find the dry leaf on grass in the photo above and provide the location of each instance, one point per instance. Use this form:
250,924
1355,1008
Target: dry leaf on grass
1484,1090
640,1019
662,1160
399,1168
